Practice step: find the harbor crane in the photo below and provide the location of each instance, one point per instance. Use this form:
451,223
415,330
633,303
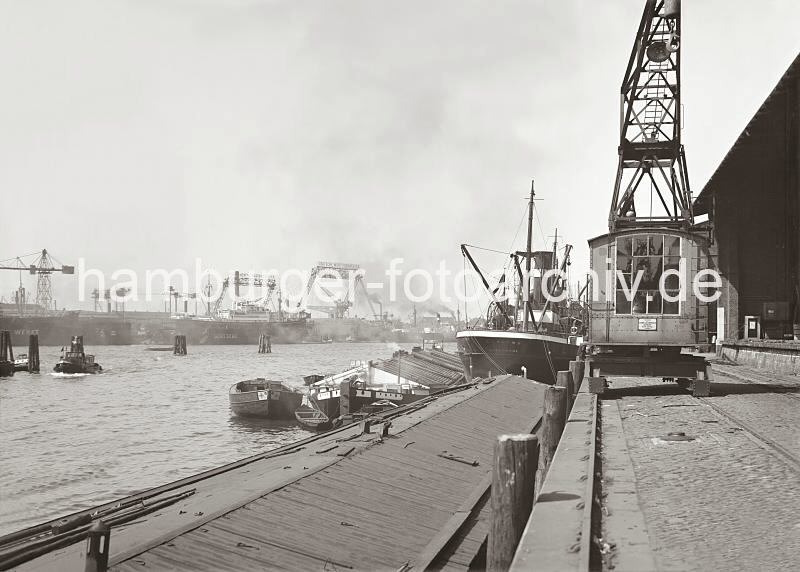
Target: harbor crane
42,266
339,271
646,313
652,161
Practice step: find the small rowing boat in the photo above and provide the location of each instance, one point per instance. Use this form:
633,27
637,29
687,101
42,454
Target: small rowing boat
312,418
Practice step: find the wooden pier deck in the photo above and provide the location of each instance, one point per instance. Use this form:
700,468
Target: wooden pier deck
346,501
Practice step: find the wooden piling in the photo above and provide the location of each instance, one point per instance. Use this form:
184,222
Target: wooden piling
345,393
581,375
180,345
264,345
97,547
9,346
33,353
554,419
513,483
6,354
576,368
564,379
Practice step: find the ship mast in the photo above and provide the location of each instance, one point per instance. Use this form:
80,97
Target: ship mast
527,278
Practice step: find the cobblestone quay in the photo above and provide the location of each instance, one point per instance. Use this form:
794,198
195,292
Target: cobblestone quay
716,480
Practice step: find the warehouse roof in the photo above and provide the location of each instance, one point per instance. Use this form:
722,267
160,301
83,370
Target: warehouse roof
702,204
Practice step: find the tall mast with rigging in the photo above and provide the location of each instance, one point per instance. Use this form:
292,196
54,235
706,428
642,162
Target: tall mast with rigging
526,281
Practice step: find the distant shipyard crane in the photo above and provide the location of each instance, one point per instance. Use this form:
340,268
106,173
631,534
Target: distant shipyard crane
42,266
339,271
652,162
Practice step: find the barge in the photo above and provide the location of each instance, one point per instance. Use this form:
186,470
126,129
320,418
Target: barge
264,398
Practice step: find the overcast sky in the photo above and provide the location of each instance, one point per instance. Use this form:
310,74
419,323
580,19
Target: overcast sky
272,134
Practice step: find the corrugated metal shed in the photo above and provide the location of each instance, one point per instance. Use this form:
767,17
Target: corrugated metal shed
432,368
398,502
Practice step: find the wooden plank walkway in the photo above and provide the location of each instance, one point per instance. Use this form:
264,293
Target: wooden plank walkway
377,507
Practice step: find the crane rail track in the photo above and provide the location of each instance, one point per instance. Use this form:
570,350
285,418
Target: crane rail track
765,442
789,389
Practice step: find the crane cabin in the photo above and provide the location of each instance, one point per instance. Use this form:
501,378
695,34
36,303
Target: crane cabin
644,290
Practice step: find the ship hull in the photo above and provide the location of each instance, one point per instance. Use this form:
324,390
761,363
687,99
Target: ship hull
229,332
53,330
73,368
267,400
485,353
329,401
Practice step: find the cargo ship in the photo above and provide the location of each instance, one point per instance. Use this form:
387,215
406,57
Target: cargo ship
100,329
536,337
229,331
53,328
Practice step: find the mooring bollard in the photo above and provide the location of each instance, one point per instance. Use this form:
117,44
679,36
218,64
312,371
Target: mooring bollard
564,379
554,418
33,353
513,482
97,547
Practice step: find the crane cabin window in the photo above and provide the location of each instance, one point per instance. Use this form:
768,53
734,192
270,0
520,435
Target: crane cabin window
648,255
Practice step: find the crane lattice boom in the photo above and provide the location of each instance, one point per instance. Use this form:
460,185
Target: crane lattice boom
652,187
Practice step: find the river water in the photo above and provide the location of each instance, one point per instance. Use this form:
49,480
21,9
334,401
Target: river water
69,443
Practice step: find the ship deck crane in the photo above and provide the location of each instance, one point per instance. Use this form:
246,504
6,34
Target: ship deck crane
218,301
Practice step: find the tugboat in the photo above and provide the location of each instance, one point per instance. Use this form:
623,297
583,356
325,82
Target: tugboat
74,360
264,398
